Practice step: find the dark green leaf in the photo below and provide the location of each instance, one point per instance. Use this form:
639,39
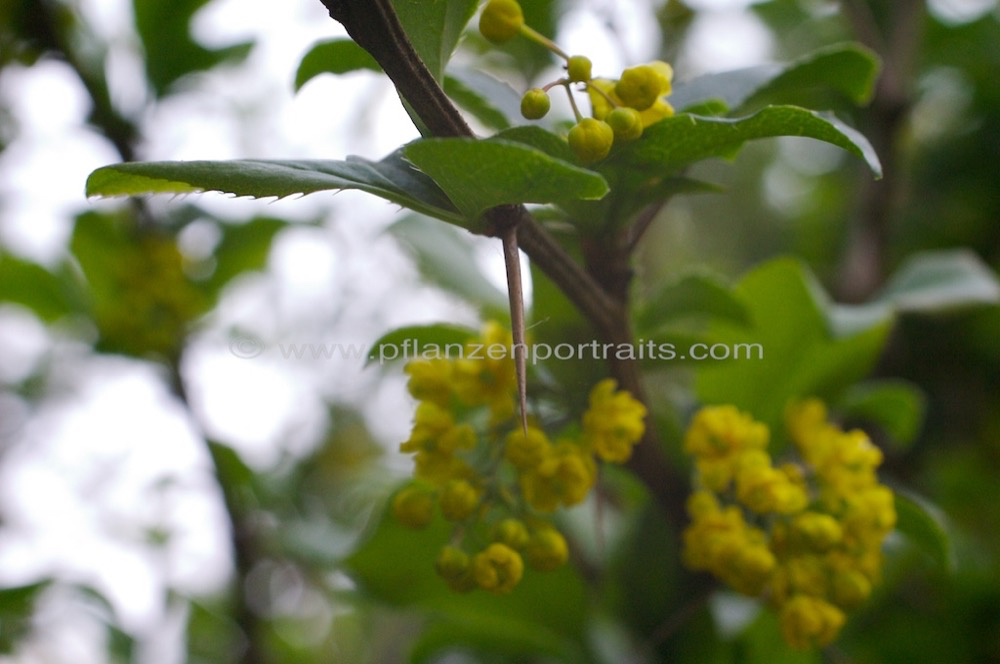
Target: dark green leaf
924,525
164,27
391,178
337,56
408,343
800,356
480,174
50,295
446,258
895,405
541,139
678,141
815,80
434,27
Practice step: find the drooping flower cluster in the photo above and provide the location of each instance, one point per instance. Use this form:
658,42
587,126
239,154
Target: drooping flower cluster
495,481
806,537
622,108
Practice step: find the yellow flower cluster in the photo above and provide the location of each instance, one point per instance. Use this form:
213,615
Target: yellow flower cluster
494,480
806,537
150,300
642,88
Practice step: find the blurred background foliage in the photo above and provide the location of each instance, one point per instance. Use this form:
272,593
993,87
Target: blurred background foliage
313,580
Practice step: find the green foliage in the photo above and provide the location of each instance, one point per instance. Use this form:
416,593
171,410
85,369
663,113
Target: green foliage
478,175
823,79
434,27
336,56
50,295
445,258
676,142
924,525
895,406
929,283
393,346
545,616
16,604
801,357
391,178
171,53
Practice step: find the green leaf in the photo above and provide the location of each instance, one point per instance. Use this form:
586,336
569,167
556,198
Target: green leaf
480,174
817,80
16,608
434,27
243,248
164,27
445,257
678,141
924,525
412,341
800,355
691,295
50,295
488,99
336,56
934,282
391,178
942,281
395,565
895,405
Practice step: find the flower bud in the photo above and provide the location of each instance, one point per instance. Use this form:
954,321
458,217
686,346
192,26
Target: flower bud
578,69
639,87
413,507
546,550
591,140
501,20
458,500
511,532
626,123
535,104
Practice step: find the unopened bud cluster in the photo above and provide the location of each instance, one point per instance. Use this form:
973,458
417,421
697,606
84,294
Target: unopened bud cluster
806,537
496,482
622,108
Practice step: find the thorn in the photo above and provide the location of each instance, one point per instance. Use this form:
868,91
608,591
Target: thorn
515,293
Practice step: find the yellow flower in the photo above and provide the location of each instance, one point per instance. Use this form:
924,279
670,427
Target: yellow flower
765,489
526,450
810,621
511,532
430,380
546,550
717,438
565,476
458,499
454,566
614,423
486,375
498,568
639,87
413,506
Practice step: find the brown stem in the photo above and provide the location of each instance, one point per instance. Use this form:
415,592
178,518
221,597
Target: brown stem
865,264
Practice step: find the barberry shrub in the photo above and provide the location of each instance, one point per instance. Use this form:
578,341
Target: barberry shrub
536,469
